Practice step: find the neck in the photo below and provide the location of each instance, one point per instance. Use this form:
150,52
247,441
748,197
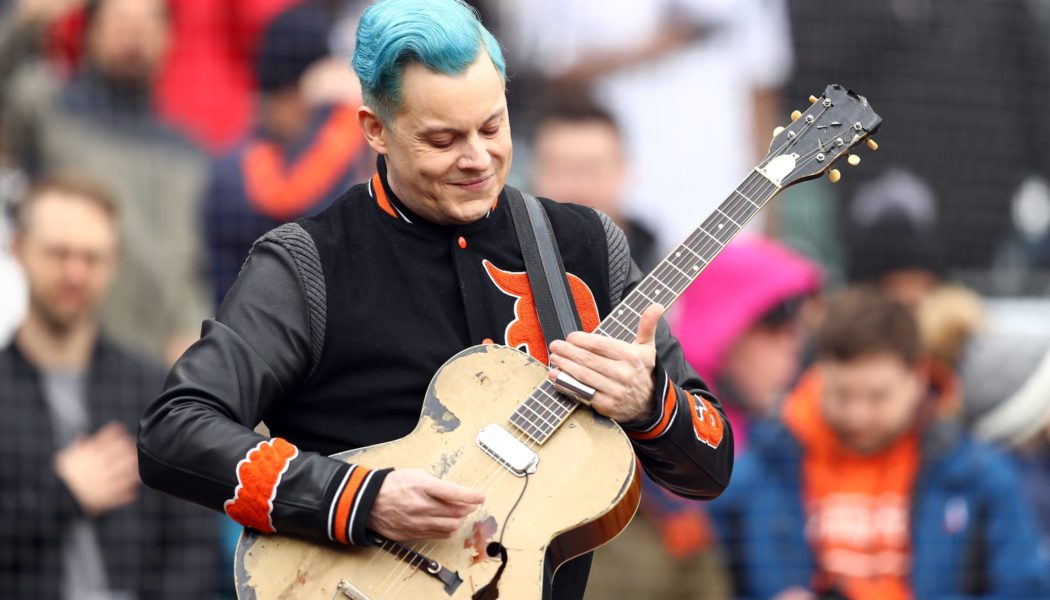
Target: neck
49,347
546,409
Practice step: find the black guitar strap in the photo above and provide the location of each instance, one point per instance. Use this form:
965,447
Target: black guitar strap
558,318
550,287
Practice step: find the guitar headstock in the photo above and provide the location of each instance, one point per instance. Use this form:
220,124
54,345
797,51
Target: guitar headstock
835,124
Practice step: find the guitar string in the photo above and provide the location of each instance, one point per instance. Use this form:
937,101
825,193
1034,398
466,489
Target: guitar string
735,208
756,181
752,179
729,213
733,211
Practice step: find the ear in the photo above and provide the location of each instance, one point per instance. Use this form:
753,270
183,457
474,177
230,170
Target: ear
17,248
374,129
920,378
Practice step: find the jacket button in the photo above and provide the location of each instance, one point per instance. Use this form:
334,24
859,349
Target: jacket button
462,242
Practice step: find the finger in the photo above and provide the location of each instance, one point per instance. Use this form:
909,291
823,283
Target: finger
115,450
456,510
126,484
585,376
451,492
647,325
125,464
597,362
599,344
111,430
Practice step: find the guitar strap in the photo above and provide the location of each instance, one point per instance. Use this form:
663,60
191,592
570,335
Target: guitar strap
558,318
543,265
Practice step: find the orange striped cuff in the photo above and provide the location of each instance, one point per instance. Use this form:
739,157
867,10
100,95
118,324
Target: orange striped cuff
352,503
259,475
668,410
707,422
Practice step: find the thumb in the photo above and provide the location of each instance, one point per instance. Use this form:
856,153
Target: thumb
647,324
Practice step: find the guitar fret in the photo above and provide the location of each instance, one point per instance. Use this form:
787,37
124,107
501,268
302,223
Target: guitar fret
744,196
618,322
694,253
728,217
625,306
717,241
679,270
525,427
543,420
677,281
663,285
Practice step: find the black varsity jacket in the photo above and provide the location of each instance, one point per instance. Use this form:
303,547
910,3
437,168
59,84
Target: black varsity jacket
331,334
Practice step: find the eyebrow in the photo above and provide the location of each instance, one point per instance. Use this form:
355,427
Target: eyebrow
439,130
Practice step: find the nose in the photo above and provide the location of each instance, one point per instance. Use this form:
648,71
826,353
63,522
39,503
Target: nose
76,269
475,155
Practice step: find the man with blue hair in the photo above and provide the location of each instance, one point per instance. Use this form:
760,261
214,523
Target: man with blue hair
337,322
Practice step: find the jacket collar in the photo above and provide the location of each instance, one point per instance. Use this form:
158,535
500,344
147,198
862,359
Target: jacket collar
388,202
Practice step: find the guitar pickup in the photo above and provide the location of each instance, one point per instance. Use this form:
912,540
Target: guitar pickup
507,450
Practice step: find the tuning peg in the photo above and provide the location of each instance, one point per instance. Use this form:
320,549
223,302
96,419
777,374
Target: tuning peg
813,99
834,175
872,144
795,115
853,160
778,131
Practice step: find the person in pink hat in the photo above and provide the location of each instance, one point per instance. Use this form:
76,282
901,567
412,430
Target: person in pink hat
741,325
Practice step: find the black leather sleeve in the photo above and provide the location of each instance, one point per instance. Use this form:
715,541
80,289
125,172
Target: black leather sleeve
196,441
687,444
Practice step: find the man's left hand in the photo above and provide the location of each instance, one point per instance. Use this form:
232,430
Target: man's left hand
622,372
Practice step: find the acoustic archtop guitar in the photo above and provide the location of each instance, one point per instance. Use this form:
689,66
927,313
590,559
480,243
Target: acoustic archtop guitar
559,480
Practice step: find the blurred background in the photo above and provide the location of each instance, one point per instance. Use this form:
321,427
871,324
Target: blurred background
198,125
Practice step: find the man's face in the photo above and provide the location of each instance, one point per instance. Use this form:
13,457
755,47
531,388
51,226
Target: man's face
129,38
580,162
871,400
68,251
448,150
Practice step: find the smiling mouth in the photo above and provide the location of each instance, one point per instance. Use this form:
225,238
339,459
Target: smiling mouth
474,185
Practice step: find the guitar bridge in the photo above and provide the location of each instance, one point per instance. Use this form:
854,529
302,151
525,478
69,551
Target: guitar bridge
507,450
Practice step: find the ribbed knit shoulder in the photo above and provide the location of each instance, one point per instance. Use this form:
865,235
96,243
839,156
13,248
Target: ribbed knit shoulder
619,256
300,246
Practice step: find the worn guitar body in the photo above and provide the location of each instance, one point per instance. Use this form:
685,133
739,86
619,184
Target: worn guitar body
583,492
584,489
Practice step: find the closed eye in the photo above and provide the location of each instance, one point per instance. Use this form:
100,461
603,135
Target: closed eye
441,143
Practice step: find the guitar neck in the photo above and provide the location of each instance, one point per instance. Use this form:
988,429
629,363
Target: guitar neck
669,279
540,415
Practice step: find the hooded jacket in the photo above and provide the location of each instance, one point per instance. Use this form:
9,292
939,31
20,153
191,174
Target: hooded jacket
971,532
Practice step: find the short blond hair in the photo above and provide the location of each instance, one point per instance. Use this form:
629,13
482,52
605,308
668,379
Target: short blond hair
70,184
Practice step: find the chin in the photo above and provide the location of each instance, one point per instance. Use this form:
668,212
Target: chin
471,213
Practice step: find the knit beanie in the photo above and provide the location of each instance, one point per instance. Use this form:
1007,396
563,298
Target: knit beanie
294,40
1006,386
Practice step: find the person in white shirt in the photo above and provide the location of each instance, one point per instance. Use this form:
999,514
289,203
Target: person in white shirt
694,83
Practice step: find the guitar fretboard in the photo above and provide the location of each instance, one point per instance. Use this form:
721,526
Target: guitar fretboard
543,411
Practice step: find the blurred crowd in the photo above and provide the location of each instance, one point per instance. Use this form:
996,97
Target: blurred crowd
881,346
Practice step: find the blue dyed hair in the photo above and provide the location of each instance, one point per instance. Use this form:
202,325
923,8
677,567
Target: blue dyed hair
445,36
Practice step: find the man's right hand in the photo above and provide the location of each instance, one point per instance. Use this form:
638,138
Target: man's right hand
102,471
414,505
